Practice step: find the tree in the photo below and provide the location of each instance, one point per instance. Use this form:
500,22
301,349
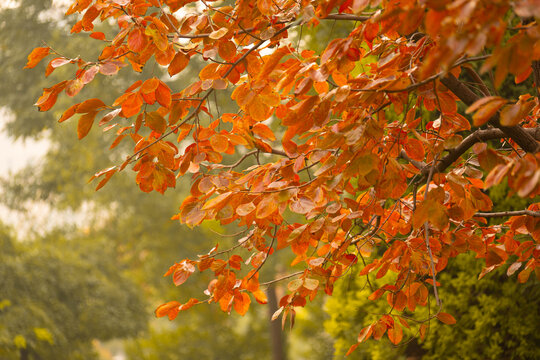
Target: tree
495,318
376,150
57,297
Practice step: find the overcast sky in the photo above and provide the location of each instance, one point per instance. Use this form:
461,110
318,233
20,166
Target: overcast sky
14,155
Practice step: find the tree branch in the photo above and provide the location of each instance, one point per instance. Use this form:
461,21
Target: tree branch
516,133
420,165
508,213
469,141
478,80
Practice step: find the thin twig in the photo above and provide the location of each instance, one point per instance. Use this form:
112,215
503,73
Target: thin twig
426,231
267,253
282,278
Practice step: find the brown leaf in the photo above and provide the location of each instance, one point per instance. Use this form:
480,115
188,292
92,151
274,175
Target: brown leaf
156,122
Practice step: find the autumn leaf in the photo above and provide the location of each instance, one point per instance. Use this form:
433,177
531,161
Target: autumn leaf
156,122
36,56
178,63
85,124
485,108
266,207
219,143
137,40
446,318
432,211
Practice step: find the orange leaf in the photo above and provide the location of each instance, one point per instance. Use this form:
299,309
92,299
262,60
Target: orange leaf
446,318
36,56
266,207
241,303
163,95
68,113
178,63
217,201
415,149
263,131
149,86
85,124
170,309
260,296
245,209
108,175
137,40
227,50
271,61
209,72
90,105
487,107
395,334
74,87
132,105
430,210
219,143
219,33
98,35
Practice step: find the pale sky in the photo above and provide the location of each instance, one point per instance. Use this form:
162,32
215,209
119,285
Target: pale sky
14,155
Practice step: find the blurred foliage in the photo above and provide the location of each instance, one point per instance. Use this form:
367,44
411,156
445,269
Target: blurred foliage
58,295
497,318
205,333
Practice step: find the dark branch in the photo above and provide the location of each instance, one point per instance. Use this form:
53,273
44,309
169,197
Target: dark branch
508,213
469,141
478,80
516,133
420,165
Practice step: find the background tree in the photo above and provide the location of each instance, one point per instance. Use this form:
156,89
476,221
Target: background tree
56,302
495,321
377,162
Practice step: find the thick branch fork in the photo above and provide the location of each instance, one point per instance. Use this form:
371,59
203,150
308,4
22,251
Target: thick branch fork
475,137
466,144
516,133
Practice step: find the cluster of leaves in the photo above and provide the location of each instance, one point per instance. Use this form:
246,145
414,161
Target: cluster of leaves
375,161
495,320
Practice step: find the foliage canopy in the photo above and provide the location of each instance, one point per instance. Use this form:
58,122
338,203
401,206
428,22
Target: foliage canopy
375,151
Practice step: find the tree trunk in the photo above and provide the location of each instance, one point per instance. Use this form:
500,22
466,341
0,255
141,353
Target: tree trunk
276,333
24,354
